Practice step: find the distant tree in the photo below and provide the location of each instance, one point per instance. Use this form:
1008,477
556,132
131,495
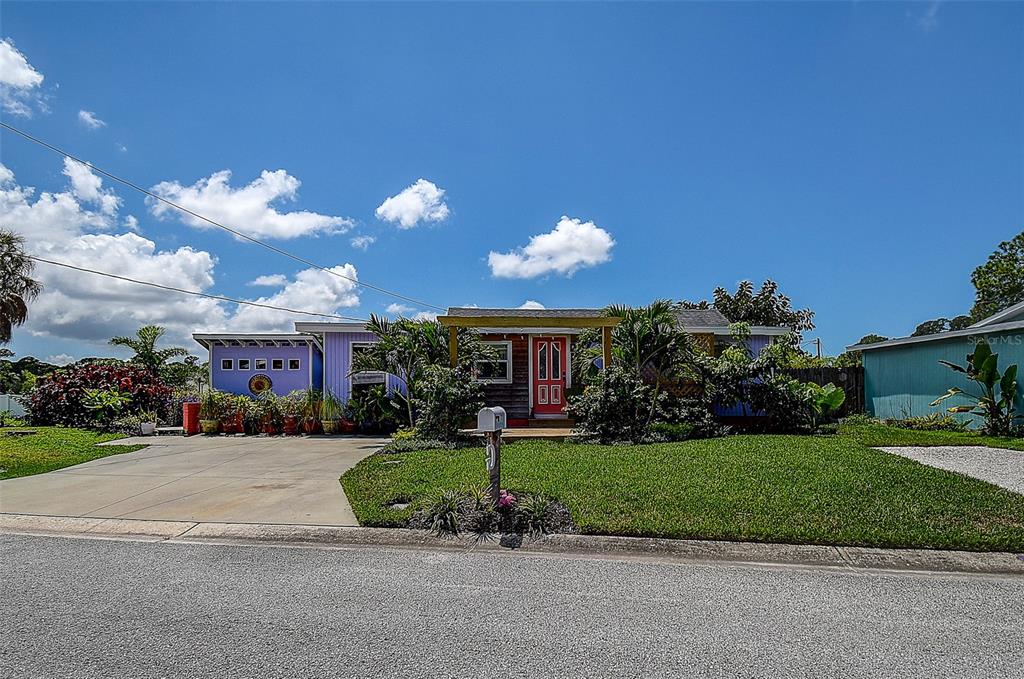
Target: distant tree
766,307
871,339
17,287
961,322
936,325
146,352
999,282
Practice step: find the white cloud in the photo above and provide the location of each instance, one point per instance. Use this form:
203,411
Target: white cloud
572,245
421,202
312,290
248,209
82,306
121,147
274,280
19,82
928,20
425,316
89,119
59,359
363,242
399,309
131,222
88,186
531,304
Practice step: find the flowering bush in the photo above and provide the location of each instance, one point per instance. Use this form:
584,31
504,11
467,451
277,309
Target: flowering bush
61,397
505,499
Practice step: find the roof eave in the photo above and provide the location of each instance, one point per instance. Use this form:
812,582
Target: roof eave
950,334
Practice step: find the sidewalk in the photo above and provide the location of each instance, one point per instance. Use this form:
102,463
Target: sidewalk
582,546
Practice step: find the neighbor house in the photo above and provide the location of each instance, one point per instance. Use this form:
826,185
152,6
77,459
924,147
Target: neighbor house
902,377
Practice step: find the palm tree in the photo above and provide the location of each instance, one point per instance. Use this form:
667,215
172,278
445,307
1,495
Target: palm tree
17,288
144,346
405,348
647,340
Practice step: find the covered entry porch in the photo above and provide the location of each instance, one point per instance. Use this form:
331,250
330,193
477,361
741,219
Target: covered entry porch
532,375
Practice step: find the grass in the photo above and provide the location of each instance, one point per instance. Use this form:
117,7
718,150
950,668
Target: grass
52,448
815,490
883,435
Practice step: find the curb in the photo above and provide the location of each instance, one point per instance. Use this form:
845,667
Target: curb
583,546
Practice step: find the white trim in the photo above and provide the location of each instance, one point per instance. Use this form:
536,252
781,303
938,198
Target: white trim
265,363
309,365
238,362
1000,315
508,364
272,368
225,370
289,365
529,373
243,339
966,332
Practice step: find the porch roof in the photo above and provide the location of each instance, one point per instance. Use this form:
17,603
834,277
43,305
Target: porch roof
473,317
209,340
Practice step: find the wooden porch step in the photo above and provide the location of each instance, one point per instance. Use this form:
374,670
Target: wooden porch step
554,423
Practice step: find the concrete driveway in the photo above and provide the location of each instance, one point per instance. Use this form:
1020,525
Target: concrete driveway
999,466
232,479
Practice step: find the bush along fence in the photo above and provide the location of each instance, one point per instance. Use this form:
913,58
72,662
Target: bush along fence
849,379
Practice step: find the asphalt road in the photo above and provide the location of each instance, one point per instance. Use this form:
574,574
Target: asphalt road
105,608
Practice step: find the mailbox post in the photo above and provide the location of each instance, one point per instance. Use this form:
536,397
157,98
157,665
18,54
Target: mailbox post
490,422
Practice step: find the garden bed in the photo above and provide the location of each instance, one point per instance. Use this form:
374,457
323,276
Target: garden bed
51,448
792,489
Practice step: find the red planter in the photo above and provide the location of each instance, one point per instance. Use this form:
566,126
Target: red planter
291,425
190,418
346,427
311,425
233,424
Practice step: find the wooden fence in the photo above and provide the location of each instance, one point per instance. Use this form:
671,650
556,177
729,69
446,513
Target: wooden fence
850,379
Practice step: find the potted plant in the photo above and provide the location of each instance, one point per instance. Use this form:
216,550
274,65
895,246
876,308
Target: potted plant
291,408
210,411
311,400
270,413
231,414
147,424
331,411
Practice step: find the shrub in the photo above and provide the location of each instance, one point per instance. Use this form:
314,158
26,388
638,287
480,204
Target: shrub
59,398
447,397
373,410
617,408
933,422
784,403
673,431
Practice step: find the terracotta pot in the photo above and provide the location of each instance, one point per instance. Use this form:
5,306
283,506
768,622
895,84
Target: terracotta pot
346,426
268,427
291,424
209,426
311,425
233,424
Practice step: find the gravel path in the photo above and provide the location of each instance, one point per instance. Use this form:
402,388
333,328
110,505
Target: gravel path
996,465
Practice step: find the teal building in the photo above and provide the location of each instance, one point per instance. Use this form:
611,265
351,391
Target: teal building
903,376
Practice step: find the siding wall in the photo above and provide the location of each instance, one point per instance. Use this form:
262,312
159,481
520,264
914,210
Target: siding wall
237,381
338,363
901,381
515,397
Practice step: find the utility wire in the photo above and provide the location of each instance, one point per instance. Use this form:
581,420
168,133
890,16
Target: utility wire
194,292
238,234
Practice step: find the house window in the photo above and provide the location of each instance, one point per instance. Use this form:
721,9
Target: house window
261,364
497,370
277,364
294,364
369,376
244,364
227,364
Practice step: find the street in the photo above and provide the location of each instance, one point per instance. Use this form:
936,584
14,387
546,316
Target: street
110,608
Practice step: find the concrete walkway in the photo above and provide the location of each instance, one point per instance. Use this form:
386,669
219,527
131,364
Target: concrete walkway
229,479
998,466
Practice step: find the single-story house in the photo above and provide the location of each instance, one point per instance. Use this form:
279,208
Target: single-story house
902,377
530,377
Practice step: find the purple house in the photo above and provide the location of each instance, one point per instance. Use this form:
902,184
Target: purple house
253,363
340,341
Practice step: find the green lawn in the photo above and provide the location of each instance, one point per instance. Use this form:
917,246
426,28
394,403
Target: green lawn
882,435
52,448
825,490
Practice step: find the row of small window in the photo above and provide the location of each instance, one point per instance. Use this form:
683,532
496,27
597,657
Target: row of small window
260,364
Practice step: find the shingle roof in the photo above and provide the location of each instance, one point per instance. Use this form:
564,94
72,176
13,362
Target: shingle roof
475,312
701,318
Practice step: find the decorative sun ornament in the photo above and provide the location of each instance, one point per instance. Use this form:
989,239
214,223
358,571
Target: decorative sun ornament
260,383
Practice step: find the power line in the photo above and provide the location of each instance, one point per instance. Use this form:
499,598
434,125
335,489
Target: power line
194,292
238,234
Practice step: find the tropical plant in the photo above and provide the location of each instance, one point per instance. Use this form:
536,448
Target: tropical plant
825,401
331,409
211,405
374,410
105,404
616,408
146,352
57,398
930,422
532,512
995,403
444,513
767,307
447,397
405,348
17,287
999,282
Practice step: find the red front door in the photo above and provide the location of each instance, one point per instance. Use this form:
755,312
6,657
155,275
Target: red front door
548,375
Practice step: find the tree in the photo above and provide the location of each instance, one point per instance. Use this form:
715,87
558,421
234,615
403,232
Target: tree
938,325
872,339
767,307
999,282
17,287
406,348
146,352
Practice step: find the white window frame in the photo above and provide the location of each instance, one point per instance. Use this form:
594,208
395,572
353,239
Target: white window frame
256,364
230,368
239,364
274,360
367,376
508,364
288,364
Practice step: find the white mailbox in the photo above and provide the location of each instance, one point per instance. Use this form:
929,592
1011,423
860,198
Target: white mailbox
490,419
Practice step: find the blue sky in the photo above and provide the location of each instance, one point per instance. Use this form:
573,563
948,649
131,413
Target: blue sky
865,155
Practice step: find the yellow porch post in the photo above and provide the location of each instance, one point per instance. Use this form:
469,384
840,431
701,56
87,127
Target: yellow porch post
606,345
453,345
